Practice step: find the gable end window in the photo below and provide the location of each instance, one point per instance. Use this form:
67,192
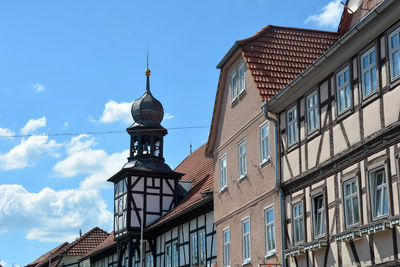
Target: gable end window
379,193
350,195
238,81
394,54
319,216
292,126
343,93
312,112
269,231
264,143
369,74
222,172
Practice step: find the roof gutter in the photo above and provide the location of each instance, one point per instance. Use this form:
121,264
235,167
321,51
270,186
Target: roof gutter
345,38
228,55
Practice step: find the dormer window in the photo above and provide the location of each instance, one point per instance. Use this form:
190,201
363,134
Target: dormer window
238,82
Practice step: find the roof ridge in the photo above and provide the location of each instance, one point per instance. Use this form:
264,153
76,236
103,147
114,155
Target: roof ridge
181,163
269,27
82,238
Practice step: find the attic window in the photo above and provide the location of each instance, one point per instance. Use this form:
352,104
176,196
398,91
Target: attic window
238,81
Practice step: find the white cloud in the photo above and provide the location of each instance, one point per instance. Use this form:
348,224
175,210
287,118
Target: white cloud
3,263
6,132
168,116
329,16
39,87
27,152
84,159
33,125
51,215
114,111
66,125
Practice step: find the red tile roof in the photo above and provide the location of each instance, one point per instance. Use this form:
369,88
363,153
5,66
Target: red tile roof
44,259
108,242
87,242
276,55
200,171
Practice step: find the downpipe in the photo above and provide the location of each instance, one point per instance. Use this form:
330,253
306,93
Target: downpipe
277,184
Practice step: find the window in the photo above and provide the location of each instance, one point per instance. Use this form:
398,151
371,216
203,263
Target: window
222,172
312,112
369,74
202,246
246,250
298,223
120,206
319,218
238,82
175,255
193,254
168,256
269,231
379,194
350,194
264,143
242,159
292,125
227,247
149,260
343,90
394,54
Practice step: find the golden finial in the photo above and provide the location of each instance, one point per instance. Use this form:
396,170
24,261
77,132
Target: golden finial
147,72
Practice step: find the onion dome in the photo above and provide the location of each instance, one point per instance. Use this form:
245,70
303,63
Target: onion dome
147,110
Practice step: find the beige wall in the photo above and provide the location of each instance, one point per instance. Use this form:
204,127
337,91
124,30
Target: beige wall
248,196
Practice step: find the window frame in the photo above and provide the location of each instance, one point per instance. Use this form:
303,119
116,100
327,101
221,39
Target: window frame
342,70
268,251
223,186
363,54
373,191
234,88
267,138
316,106
322,211
296,127
298,218
244,235
390,52
242,82
226,257
351,196
240,86
242,170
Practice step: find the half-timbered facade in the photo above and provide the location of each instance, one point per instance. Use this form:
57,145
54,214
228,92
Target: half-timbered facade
241,140
339,125
170,211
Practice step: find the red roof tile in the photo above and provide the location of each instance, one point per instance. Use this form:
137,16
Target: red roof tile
276,55
108,242
87,242
54,253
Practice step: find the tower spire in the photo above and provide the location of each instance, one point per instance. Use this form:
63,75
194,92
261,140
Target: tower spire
147,72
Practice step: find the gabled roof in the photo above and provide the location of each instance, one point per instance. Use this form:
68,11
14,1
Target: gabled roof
107,243
44,259
274,56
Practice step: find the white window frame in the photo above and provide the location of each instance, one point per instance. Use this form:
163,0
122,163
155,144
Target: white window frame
319,213
242,80
246,248
314,111
234,85
202,247
174,254
343,87
392,51
369,71
242,159
194,249
238,87
269,228
265,152
374,192
300,219
292,124
350,198
223,173
226,247
168,255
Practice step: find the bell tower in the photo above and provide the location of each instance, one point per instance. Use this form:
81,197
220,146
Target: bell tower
146,187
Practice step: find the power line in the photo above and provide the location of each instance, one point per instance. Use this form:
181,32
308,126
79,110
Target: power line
94,132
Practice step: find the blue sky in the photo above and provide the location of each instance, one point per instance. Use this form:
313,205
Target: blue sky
75,67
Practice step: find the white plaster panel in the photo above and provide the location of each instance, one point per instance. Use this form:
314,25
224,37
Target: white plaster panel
297,193
391,106
313,151
376,155
319,256
209,223
293,158
174,232
201,220
302,106
393,164
330,188
325,151
324,113
383,75
362,172
352,128
371,118
303,157
395,198
339,143
355,67
186,232
193,224
331,220
356,94
324,91
383,251
282,120
398,236
318,184
168,236
302,130
332,255
383,47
